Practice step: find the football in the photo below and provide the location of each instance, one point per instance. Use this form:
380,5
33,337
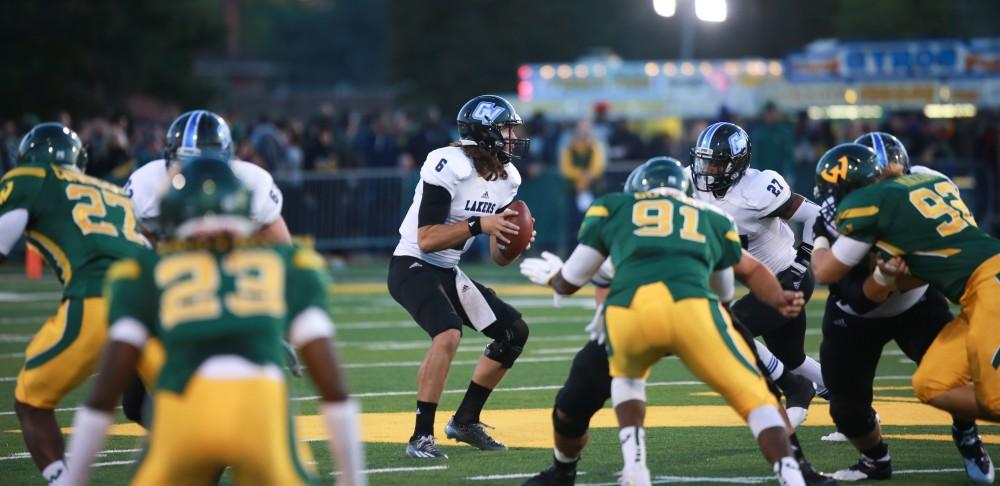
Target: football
520,241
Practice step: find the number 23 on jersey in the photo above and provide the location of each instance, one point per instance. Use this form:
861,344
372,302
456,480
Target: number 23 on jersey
191,283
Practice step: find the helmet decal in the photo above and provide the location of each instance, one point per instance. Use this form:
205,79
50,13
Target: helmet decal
833,175
190,139
486,112
737,143
706,141
879,146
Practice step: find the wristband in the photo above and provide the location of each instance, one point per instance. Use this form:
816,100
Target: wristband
821,243
474,227
883,279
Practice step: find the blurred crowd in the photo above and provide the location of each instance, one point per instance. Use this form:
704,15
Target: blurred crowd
580,151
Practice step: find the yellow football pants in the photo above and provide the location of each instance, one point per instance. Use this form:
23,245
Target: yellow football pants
66,349
696,330
968,348
240,423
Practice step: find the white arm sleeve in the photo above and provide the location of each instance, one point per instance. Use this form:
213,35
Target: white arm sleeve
12,226
311,324
343,427
806,214
90,429
129,331
604,274
721,282
582,265
849,251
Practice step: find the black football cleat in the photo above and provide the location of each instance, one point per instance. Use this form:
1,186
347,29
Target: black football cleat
472,434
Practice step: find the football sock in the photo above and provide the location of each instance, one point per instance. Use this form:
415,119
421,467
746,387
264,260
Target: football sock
775,368
633,440
796,448
810,369
425,419
880,452
472,404
962,426
562,461
55,473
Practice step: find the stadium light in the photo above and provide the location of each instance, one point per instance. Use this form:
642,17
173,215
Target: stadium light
710,10
665,8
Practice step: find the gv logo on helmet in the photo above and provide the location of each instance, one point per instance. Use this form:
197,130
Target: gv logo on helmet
837,173
487,112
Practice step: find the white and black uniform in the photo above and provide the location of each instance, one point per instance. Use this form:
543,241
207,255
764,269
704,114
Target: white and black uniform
754,203
147,185
429,285
855,330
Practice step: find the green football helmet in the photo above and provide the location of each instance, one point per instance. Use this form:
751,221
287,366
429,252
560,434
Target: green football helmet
52,143
659,172
843,169
205,198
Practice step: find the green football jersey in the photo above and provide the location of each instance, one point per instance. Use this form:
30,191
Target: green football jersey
660,238
922,217
210,299
78,223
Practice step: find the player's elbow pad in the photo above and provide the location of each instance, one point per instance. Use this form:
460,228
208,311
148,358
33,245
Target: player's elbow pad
722,283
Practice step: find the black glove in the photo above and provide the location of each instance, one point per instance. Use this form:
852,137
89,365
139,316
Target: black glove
800,266
820,228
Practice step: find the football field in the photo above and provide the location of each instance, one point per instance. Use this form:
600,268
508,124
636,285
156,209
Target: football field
692,438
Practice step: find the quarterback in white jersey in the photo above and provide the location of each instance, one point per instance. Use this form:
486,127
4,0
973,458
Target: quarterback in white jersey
762,204
463,192
198,133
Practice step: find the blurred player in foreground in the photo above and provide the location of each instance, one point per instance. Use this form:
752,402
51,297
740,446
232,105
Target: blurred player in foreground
221,303
666,248
81,225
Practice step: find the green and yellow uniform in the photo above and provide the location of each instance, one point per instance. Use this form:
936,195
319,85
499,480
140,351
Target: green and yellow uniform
80,225
664,248
221,310
922,218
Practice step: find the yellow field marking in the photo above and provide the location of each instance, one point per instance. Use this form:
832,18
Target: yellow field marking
532,427
513,290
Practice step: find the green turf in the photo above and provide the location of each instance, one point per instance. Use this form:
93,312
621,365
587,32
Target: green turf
373,329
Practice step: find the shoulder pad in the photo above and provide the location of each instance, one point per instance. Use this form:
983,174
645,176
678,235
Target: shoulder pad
308,259
763,191
448,162
25,171
253,176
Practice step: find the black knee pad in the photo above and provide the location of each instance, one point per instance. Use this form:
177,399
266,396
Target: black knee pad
852,419
569,426
508,346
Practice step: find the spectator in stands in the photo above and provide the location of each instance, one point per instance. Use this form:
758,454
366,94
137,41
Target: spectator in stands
772,141
623,143
376,143
582,163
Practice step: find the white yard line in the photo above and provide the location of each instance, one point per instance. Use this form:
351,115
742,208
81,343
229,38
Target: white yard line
15,338
113,463
663,479
398,469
